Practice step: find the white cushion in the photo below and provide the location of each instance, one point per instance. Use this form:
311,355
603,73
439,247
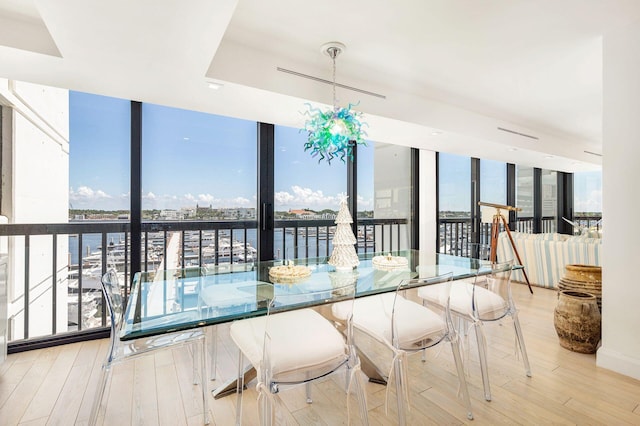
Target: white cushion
415,322
301,340
489,305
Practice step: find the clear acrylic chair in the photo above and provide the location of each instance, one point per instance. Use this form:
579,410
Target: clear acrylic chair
405,327
292,346
120,351
488,298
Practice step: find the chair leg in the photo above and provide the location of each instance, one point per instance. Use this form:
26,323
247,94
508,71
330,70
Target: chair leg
97,409
269,412
308,390
523,349
212,335
362,399
239,388
402,415
194,363
455,347
482,353
203,378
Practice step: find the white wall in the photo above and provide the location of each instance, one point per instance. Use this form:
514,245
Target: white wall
428,215
620,350
36,157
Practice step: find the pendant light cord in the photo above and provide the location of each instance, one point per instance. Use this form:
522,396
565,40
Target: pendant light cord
333,52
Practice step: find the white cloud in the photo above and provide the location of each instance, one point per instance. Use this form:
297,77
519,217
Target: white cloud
240,202
283,198
300,197
206,198
85,197
84,194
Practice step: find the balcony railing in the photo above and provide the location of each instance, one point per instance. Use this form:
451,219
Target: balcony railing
455,233
58,267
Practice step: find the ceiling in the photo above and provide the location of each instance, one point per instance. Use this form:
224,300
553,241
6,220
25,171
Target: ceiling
452,72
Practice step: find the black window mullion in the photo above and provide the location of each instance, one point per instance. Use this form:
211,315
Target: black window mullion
352,188
266,166
474,232
511,194
537,200
136,194
415,201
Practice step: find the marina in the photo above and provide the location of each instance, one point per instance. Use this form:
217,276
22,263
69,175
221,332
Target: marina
188,248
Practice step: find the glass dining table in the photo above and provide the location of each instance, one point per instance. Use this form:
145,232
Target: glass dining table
179,299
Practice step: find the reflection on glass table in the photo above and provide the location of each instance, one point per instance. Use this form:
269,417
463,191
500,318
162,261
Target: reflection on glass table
224,293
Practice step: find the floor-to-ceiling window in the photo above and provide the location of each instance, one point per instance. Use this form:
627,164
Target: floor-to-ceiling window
454,201
99,182
587,201
199,167
99,159
524,198
493,181
493,189
384,194
305,189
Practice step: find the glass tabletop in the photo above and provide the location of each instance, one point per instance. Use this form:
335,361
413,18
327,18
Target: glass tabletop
179,299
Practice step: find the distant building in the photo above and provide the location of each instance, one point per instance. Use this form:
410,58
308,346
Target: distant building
304,214
171,215
188,212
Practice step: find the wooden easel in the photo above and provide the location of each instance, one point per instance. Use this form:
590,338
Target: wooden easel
495,231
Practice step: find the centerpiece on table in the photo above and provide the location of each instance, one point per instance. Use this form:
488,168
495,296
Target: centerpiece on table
390,263
344,256
288,273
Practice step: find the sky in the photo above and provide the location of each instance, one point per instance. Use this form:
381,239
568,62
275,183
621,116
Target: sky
192,158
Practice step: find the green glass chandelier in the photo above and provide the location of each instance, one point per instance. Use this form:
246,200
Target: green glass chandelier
334,132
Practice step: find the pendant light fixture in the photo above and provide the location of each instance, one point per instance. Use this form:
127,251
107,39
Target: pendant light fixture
334,132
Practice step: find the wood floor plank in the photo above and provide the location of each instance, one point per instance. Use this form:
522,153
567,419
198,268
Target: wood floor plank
145,404
67,406
12,377
42,421
16,404
603,411
170,409
50,388
191,393
120,395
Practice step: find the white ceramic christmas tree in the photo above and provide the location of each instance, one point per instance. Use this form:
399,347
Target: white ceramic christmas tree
344,256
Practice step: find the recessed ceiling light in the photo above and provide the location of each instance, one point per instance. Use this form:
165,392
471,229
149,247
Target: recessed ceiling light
548,157
214,85
436,133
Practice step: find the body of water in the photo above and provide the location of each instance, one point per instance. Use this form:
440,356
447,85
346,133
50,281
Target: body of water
284,243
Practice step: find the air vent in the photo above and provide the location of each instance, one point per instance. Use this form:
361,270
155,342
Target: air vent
518,133
593,153
322,80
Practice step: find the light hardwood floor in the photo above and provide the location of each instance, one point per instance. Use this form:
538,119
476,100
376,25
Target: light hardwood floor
55,386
